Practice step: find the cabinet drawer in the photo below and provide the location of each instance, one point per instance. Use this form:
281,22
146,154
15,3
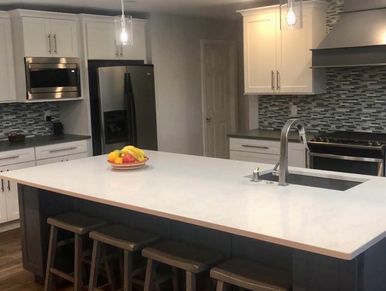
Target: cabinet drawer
17,156
254,157
61,159
59,150
254,146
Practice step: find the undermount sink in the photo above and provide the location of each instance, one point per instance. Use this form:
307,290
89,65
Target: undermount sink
312,181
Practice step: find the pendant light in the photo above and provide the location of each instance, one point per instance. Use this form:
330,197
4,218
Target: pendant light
293,14
124,28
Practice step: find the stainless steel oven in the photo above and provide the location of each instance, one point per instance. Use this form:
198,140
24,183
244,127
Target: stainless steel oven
52,78
362,153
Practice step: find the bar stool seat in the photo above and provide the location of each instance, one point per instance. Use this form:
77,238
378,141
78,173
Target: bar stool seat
249,275
75,222
124,238
79,225
178,255
183,256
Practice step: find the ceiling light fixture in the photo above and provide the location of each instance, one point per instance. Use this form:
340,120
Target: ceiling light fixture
293,14
124,27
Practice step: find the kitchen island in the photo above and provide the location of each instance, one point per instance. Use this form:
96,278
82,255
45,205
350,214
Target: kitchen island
329,240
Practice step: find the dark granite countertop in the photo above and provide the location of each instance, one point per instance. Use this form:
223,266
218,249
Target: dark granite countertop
263,134
36,141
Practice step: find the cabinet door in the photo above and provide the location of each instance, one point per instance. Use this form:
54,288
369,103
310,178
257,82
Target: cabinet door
65,38
11,192
3,203
37,41
101,42
297,155
138,50
260,45
295,58
7,73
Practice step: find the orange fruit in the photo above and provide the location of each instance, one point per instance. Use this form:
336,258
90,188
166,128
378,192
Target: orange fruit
118,161
113,156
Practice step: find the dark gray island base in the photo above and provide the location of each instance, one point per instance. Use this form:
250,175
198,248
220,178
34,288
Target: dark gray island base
310,272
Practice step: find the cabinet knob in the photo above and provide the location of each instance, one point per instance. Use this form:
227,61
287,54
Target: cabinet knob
208,119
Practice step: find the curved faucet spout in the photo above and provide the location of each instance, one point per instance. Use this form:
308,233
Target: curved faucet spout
283,170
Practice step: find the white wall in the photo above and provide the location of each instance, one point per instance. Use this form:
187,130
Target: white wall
175,53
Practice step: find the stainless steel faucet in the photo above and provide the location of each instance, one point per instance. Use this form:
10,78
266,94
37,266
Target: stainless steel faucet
283,164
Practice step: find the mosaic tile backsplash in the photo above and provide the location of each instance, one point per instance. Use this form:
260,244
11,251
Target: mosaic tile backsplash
27,118
355,98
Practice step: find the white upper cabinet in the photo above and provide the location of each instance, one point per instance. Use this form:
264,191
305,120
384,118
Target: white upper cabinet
277,59
7,72
260,46
46,34
102,43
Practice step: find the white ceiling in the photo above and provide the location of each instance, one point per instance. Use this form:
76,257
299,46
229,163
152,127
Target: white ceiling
207,8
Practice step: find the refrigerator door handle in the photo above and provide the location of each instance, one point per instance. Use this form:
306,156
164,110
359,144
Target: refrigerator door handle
132,118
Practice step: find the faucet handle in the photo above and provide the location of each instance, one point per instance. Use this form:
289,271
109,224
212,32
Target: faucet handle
256,175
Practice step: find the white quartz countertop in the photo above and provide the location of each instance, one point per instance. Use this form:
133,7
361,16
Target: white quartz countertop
215,193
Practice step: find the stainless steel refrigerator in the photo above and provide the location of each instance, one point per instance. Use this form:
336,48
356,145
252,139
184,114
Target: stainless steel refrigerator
125,100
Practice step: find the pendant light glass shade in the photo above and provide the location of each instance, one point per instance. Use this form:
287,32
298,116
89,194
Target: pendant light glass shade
291,14
124,28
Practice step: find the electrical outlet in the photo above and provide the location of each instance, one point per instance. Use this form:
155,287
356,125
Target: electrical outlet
47,116
293,110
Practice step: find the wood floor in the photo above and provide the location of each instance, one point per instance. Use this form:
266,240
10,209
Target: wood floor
12,274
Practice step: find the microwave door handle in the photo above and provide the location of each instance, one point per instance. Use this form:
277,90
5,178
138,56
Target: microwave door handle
132,118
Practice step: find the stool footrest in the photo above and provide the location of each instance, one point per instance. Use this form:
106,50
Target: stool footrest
63,275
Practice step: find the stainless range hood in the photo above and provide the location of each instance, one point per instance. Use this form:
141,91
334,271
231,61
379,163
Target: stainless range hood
358,39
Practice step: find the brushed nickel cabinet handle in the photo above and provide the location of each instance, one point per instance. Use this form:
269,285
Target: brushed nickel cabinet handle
2,185
9,158
56,45
278,80
49,44
273,80
116,49
62,150
255,147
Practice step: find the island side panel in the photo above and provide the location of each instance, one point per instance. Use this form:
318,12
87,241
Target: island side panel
35,207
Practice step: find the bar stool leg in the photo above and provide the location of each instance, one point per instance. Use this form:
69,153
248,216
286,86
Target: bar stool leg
78,283
175,279
51,258
149,277
127,271
220,286
96,251
190,281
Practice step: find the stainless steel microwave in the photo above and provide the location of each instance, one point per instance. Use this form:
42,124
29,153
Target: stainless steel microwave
52,78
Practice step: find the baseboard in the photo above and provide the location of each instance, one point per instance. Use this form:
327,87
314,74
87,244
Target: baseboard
9,226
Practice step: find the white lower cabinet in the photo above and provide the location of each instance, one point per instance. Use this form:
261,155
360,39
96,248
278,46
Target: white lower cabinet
266,152
30,157
9,191
62,152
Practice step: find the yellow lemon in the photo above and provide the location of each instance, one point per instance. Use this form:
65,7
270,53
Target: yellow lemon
118,161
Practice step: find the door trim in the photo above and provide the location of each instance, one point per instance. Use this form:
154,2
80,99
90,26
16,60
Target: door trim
234,86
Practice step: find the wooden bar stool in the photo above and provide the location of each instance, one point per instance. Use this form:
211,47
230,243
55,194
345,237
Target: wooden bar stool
127,239
250,276
178,255
78,224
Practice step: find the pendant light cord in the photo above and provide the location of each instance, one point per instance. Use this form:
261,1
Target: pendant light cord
123,9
